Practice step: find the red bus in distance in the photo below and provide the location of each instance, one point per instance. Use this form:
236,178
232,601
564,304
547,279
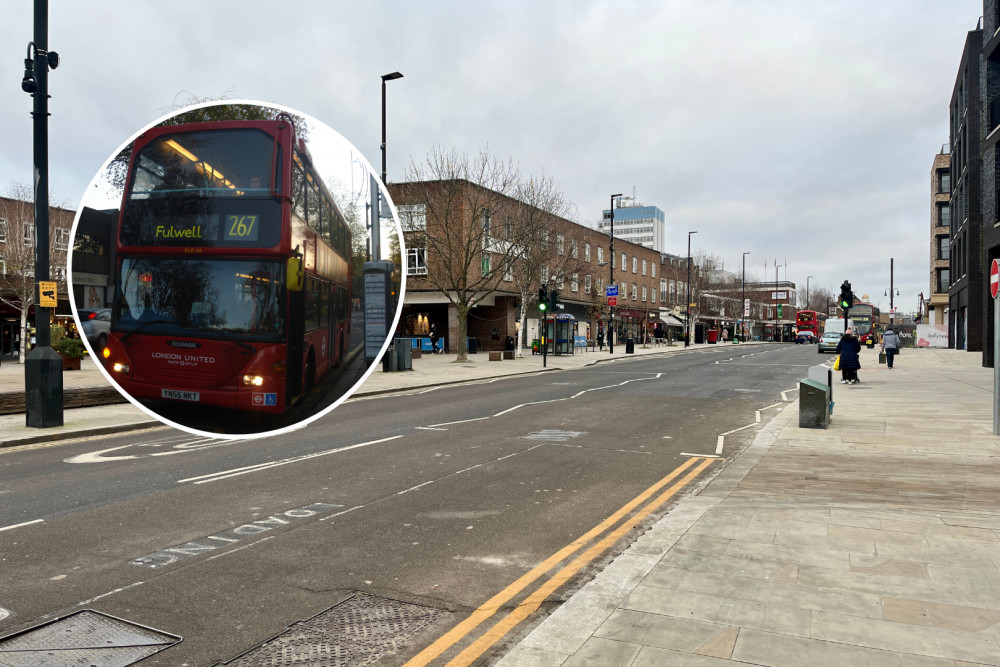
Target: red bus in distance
233,276
807,321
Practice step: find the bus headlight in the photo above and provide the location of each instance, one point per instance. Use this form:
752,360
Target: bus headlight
119,367
253,380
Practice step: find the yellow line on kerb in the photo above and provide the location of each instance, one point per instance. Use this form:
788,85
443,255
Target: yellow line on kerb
491,606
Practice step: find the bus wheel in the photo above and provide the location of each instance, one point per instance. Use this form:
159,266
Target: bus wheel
310,374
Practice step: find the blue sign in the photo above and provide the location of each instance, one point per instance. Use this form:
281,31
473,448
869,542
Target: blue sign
612,290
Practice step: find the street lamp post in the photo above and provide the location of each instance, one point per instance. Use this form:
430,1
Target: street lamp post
687,316
807,292
746,311
386,77
611,309
43,380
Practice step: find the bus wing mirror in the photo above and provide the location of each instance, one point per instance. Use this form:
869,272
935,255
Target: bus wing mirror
294,273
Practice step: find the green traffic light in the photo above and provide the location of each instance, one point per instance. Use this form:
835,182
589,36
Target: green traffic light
542,306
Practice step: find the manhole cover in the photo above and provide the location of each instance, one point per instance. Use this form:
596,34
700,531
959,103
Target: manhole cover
358,631
87,638
552,435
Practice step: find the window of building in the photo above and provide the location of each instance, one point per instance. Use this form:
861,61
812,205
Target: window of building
574,249
635,264
413,217
508,271
562,280
652,294
635,291
28,232
944,215
545,275
943,180
416,261
3,230
624,262
586,252
485,264
644,267
943,281
943,247
560,244
600,254
62,238
644,295
663,290
586,284
508,228
652,268
574,283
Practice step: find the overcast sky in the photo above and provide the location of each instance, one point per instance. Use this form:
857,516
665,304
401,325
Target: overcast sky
802,132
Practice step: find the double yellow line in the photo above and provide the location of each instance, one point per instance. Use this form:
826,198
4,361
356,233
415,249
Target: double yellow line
531,604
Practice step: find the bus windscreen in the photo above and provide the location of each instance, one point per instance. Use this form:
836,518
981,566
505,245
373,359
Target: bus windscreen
200,297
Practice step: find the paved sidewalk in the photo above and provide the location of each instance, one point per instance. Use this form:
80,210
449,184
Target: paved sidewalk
874,542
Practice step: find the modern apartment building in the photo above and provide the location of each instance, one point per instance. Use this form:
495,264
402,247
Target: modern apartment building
966,298
940,240
635,223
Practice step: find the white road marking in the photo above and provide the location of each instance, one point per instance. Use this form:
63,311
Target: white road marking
104,595
700,456
18,525
718,447
737,429
225,474
429,428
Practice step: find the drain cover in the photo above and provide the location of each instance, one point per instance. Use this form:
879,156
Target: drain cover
553,435
358,631
86,638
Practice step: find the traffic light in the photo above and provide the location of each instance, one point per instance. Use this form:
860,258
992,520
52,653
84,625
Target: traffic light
553,300
543,298
846,296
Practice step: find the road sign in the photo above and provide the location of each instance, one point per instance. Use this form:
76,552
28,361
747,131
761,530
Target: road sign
611,290
612,301
746,307
46,294
994,278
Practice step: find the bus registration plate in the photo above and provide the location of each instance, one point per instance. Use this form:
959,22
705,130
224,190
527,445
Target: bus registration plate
180,395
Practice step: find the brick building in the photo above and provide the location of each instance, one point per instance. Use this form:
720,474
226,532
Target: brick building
940,241
17,270
566,256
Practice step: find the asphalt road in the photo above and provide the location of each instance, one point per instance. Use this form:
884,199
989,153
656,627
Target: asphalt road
439,498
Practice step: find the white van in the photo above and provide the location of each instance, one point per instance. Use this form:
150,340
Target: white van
836,325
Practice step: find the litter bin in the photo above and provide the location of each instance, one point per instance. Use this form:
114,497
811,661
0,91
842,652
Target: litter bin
404,354
473,345
390,362
629,346
814,404
509,343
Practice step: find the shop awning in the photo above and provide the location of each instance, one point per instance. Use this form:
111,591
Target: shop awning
671,321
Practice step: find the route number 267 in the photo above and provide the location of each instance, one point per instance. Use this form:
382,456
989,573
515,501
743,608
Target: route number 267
242,227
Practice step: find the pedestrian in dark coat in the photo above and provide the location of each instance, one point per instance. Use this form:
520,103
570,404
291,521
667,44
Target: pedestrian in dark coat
849,349
890,344
434,339
600,339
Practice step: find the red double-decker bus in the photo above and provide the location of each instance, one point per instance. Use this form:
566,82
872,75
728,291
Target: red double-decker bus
807,321
233,277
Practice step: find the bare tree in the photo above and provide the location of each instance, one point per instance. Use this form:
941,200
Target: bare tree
467,238
538,213
17,252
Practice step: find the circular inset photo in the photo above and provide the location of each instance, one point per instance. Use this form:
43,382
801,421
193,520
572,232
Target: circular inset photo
236,269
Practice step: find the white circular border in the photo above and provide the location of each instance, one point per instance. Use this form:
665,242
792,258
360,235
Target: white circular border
314,122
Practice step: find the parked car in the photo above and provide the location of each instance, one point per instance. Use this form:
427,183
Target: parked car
95,323
828,343
804,338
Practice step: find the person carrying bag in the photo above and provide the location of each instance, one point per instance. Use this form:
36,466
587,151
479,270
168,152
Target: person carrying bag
890,345
849,351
